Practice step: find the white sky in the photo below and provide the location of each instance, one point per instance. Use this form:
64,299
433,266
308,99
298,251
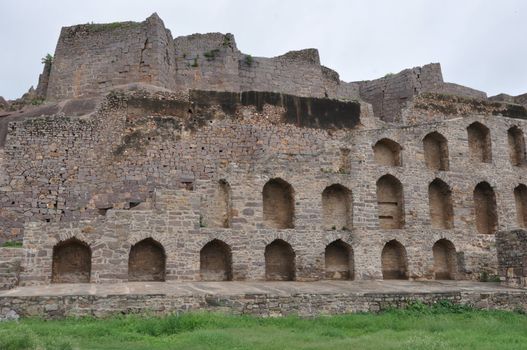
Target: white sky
480,44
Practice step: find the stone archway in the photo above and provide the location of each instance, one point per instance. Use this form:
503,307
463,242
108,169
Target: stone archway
435,148
394,261
338,258
445,264
486,212
216,261
337,208
390,201
440,205
71,262
147,261
279,261
479,143
387,152
278,204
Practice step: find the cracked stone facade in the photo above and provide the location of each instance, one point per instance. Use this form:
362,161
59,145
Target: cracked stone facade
167,145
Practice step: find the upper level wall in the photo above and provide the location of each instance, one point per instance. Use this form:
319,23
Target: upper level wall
389,94
520,99
91,58
88,163
213,62
207,61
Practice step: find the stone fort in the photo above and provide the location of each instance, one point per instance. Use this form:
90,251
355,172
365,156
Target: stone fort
161,159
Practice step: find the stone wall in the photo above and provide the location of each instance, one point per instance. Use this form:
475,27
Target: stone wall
91,58
213,62
512,257
390,94
77,172
43,80
262,305
10,266
81,165
520,99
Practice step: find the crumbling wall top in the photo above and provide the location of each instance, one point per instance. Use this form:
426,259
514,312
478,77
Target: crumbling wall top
92,58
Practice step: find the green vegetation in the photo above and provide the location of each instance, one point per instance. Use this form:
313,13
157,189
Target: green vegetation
485,277
211,55
195,63
48,59
227,41
37,101
387,75
249,60
133,140
12,244
202,221
443,326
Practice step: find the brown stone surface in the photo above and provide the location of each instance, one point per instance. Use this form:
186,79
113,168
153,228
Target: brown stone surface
278,204
435,147
440,203
485,208
71,262
445,263
146,261
394,261
390,201
216,261
279,261
339,261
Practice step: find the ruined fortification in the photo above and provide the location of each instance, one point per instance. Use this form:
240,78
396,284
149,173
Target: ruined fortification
158,159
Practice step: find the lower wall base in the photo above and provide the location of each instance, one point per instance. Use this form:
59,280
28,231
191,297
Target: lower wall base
252,301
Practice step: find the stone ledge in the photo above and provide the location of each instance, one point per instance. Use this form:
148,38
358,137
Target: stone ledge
265,299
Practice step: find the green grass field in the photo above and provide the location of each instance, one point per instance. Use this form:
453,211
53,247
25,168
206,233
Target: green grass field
420,327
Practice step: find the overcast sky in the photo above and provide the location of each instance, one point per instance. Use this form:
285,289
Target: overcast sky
481,44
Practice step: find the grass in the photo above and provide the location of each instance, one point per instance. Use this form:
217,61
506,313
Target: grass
12,244
420,327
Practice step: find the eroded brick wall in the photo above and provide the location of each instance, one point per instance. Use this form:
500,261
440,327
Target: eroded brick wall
512,257
96,179
389,95
91,58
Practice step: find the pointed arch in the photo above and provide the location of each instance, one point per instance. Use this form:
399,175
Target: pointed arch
337,207
486,214
445,260
520,198
440,204
147,261
71,262
435,148
338,257
479,142
221,208
279,261
216,261
394,261
516,146
278,204
387,152
390,201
